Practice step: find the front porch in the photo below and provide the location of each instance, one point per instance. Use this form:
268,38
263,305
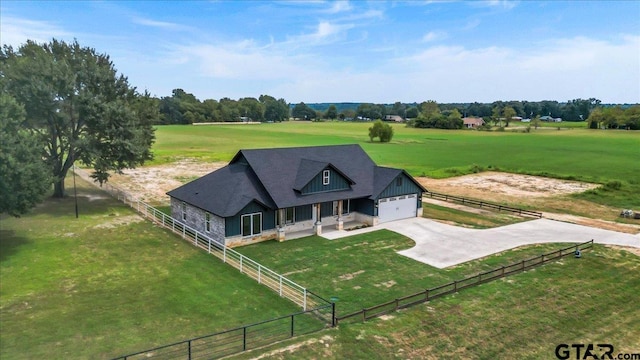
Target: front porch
329,232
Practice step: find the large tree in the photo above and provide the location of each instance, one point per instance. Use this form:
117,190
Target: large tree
24,177
79,106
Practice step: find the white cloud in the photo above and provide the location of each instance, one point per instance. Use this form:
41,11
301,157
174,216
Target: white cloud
16,31
157,24
339,6
325,32
433,36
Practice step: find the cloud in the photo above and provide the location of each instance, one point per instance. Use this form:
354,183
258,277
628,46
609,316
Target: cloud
339,6
325,32
16,31
157,24
432,36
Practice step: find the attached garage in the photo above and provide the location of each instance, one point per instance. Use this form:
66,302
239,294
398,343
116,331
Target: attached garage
397,207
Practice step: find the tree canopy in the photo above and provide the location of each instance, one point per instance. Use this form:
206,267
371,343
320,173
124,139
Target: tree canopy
381,130
24,177
79,108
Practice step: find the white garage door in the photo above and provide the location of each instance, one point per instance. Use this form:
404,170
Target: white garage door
398,207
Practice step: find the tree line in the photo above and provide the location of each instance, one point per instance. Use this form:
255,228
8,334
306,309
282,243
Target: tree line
62,102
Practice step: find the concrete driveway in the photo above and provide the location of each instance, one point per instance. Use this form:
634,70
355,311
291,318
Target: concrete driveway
443,245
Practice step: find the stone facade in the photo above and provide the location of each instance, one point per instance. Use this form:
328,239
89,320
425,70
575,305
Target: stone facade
196,219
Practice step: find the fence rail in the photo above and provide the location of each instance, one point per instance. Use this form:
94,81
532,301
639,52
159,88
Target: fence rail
457,285
240,339
283,286
316,314
466,201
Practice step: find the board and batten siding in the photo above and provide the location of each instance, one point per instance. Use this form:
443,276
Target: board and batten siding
336,182
234,223
303,212
407,187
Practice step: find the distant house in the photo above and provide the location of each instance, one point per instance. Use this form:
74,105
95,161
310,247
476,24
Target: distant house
550,119
472,122
395,118
266,193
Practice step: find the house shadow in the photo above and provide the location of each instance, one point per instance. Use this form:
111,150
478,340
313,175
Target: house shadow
10,244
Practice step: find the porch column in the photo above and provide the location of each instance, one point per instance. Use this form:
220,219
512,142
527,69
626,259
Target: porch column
280,215
340,225
318,225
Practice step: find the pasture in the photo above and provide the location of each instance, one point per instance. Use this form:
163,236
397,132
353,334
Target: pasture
525,316
598,156
110,283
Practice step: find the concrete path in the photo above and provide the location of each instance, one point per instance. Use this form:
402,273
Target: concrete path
441,245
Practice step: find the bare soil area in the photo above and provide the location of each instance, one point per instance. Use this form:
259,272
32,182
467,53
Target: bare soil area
506,184
151,183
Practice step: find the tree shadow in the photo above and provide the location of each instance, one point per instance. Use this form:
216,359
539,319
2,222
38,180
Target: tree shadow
10,244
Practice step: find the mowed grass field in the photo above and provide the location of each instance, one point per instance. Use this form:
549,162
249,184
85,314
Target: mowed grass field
592,300
599,156
110,283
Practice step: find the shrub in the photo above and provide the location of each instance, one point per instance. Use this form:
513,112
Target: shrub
613,185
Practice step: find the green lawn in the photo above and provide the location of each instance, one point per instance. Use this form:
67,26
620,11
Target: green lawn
365,270
588,155
525,316
110,283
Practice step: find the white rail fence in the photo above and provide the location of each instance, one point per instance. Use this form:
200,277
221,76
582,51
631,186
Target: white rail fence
263,275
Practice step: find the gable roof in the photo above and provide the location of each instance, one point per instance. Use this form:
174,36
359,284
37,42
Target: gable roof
272,176
234,185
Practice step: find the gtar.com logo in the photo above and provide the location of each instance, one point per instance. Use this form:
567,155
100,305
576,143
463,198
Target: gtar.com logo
584,351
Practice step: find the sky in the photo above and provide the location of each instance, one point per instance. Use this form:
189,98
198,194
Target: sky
353,51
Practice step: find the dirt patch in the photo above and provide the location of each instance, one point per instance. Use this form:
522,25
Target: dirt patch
296,272
633,250
119,221
386,284
151,183
508,184
350,276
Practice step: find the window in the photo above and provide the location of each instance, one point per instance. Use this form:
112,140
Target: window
207,222
326,177
399,181
183,207
289,215
251,224
345,207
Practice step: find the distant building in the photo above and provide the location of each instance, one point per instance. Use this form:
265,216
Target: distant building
472,122
395,118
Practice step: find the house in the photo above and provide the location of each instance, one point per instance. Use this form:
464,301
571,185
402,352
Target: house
472,122
267,193
396,118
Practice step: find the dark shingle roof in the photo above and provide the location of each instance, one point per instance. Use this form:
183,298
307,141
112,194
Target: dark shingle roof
271,176
225,191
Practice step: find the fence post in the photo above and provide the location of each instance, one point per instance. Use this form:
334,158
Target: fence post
502,271
304,300
280,288
259,274
455,285
241,256
195,239
334,322
189,349
542,259
209,245
479,277
427,295
522,265
224,253
244,338
292,332
184,231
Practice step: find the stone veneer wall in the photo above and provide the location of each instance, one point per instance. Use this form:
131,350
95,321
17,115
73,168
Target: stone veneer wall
196,220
